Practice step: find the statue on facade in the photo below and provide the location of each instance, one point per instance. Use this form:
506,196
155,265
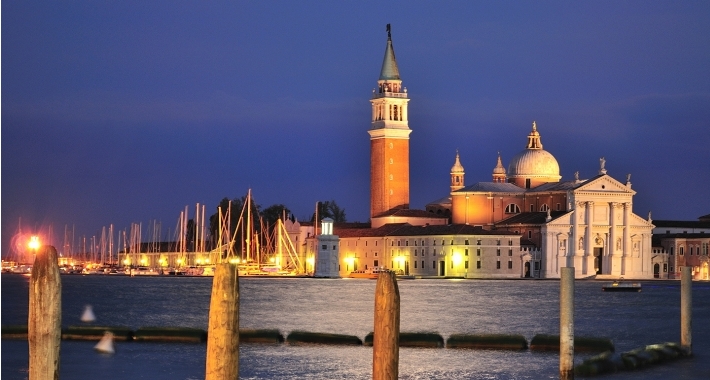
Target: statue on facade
576,176
581,243
628,178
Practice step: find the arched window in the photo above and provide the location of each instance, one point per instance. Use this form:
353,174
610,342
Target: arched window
544,208
512,209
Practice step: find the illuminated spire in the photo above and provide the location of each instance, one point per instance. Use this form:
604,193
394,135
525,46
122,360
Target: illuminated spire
389,64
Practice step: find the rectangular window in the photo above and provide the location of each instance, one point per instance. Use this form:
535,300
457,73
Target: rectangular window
497,264
478,252
537,265
529,234
498,242
422,264
433,264
558,207
510,252
466,242
478,242
452,265
465,252
377,262
498,252
665,267
466,264
478,264
375,254
324,246
510,265
415,264
415,252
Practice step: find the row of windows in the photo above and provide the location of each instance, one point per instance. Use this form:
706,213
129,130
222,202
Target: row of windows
515,209
395,112
434,242
443,242
697,250
478,264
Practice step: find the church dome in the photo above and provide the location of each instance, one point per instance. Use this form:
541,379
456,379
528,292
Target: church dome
534,163
457,168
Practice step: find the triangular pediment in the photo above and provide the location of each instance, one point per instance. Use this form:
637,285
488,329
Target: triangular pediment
604,184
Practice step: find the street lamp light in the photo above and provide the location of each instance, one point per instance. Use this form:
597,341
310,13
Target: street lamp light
34,243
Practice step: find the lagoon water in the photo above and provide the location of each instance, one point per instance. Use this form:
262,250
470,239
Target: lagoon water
345,306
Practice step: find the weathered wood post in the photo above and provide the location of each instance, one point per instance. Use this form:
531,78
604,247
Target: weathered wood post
44,323
567,323
686,309
385,340
223,326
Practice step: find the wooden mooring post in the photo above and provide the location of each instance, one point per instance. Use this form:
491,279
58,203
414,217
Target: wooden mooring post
567,323
686,309
44,322
223,326
385,340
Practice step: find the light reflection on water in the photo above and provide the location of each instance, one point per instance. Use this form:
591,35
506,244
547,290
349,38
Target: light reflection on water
631,320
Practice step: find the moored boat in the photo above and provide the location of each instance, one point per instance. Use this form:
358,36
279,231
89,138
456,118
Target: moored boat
621,286
366,273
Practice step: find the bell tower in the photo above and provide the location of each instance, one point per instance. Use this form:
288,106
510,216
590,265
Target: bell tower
457,174
389,138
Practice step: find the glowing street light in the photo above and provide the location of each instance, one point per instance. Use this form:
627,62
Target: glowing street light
34,243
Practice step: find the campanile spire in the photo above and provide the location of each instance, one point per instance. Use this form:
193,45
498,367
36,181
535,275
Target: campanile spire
389,138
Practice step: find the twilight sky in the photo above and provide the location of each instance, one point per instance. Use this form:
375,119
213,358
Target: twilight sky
127,111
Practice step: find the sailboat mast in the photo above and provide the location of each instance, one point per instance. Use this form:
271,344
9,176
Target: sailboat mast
249,231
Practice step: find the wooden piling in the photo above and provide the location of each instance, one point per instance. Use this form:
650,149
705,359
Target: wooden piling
385,340
223,327
686,308
44,323
567,323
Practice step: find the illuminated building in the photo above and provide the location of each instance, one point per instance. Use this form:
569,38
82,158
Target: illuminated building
526,222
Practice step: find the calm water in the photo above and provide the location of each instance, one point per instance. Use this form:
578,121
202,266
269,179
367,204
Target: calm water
345,306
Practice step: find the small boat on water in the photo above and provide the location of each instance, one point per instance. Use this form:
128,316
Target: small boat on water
366,273
622,286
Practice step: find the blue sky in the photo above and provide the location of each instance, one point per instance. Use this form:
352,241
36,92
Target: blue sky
127,111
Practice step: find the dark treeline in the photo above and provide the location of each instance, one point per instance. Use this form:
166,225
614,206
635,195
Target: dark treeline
263,220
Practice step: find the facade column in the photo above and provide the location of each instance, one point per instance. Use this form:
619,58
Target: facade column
626,246
588,263
573,249
550,256
614,259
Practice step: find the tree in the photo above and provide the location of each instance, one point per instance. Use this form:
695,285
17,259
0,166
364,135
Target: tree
330,209
273,213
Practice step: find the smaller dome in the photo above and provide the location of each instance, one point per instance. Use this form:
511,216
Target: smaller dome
457,168
499,169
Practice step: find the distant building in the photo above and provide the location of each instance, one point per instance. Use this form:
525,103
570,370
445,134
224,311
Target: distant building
682,243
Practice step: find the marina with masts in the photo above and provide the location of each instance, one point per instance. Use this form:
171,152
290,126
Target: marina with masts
257,248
